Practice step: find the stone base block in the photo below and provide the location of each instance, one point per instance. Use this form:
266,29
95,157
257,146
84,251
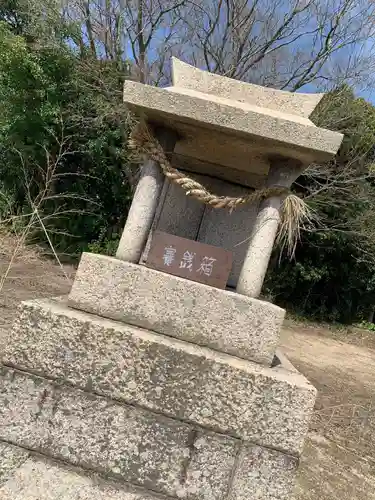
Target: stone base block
123,442
11,458
127,444
267,406
34,478
223,320
261,475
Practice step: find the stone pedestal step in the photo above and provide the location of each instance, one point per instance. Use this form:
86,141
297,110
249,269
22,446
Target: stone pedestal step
123,442
222,320
270,407
24,476
135,446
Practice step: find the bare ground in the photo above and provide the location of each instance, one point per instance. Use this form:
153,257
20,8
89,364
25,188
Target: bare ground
339,458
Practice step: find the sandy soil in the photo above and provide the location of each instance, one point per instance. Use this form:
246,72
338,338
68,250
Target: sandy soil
27,277
339,458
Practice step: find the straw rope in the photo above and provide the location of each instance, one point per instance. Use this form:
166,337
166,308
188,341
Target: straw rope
145,144
294,212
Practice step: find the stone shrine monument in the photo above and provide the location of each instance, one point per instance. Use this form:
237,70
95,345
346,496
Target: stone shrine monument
168,382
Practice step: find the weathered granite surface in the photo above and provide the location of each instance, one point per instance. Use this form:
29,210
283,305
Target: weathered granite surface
11,458
263,474
223,152
269,406
91,431
219,171
145,201
121,441
188,77
179,105
229,230
207,475
223,320
176,209
221,228
141,213
261,239
39,479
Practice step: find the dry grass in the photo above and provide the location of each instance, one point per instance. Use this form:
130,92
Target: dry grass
339,459
295,215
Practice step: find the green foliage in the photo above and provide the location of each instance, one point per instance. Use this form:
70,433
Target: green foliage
355,118
367,326
105,244
333,274
329,279
62,133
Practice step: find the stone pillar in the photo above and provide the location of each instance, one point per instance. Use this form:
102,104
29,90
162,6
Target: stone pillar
144,204
282,173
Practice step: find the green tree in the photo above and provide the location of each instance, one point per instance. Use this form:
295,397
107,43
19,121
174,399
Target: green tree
62,133
333,274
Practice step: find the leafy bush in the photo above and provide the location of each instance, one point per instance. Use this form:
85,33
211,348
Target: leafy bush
367,326
328,280
333,274
62,136
105,245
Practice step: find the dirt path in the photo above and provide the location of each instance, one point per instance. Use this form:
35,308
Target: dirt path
28,277
339,458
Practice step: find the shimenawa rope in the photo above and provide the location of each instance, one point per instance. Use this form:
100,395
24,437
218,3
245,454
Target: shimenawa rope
294,212
144,143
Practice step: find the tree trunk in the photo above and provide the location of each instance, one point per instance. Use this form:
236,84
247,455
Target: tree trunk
371,315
